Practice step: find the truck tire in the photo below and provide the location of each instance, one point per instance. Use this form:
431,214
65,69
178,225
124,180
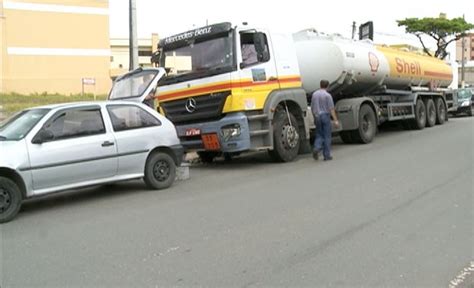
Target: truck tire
367,125
440,111
207,156
420,115
160,171
10,199
346,137
430,113
286,139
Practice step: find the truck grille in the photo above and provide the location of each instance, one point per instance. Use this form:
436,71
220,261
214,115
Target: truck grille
191,109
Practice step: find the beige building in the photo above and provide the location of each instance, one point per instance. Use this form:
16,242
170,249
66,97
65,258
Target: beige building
54,46
119,59
468,58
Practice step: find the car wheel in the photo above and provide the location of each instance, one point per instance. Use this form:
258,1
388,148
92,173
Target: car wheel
10,199
160,171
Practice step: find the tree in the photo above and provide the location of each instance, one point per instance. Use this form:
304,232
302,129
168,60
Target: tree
442,30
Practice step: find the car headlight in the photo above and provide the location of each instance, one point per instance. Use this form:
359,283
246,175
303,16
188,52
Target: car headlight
466,103
229,132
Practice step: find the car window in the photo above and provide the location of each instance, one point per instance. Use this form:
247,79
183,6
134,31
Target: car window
126,117
76,123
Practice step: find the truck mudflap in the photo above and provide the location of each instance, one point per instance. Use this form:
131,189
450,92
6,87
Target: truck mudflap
228,134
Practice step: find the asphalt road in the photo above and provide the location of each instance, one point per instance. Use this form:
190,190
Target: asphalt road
395,213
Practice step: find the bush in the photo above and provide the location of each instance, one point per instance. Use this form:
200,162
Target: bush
13,102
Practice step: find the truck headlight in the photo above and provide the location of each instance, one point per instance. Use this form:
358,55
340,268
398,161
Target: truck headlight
231,131
466,103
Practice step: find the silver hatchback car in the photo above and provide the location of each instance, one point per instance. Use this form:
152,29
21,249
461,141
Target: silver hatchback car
64,146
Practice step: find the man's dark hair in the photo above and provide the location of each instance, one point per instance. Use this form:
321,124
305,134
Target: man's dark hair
324,84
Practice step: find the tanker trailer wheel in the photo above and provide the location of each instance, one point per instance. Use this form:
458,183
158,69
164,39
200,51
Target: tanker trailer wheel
367,125
440,111
420,115
286,140
430,113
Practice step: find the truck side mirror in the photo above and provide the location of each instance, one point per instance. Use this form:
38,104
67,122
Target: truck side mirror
260,42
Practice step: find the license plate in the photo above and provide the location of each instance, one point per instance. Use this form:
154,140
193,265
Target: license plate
193,132
211,142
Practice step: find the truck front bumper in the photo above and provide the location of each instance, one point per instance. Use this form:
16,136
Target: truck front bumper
191,135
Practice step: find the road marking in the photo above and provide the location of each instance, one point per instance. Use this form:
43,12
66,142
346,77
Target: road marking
461,277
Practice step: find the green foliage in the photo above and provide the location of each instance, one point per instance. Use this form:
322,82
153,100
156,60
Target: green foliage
442,30
13,102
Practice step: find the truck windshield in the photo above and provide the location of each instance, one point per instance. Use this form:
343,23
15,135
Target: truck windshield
464,94
132,85
17,126
198,60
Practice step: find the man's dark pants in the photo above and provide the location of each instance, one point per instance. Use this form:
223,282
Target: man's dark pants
323,134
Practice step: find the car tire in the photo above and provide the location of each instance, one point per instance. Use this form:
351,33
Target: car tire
440,111
286,139
470,112
160,171
10,199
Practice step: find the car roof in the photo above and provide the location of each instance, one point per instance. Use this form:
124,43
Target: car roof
80,104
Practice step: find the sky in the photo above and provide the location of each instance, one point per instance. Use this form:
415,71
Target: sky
171,17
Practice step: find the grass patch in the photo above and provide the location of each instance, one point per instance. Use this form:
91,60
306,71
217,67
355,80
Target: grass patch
13,102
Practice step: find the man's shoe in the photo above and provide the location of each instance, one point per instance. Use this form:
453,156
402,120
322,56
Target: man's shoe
328,159
315,154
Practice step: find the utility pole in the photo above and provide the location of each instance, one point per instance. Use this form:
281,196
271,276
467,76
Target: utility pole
353,29
133,41
462,59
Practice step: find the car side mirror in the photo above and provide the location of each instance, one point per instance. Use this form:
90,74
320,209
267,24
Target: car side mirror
43,136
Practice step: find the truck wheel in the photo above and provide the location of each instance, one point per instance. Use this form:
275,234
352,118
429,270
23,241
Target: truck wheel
346,137
430,113
367,125
420,115
286,139
207,156
160,171
10,199
440,111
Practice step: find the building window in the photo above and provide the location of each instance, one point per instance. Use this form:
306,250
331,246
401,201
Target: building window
144,53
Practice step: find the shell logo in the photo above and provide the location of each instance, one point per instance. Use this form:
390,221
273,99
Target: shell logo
373,62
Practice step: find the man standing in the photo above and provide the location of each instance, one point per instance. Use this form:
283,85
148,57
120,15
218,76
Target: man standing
322,107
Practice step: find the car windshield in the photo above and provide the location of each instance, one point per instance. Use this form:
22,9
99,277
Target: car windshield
464,94
17,126
132,85
198,59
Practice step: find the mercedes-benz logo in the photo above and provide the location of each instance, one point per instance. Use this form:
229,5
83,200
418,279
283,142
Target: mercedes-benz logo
190,105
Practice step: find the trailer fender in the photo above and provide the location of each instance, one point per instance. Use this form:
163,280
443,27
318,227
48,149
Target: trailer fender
348,111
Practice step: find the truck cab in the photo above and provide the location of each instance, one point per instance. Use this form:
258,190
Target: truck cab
223,86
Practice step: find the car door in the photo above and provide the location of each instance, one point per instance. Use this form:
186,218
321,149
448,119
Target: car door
81,150
258,74
136,133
